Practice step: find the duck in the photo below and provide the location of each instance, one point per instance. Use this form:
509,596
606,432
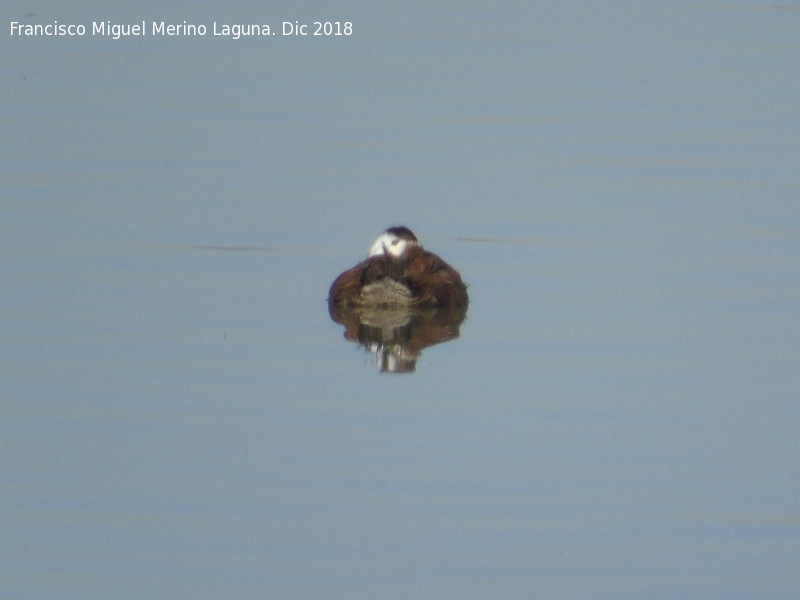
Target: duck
399,273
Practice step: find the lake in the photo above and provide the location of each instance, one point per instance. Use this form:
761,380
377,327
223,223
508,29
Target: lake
617,415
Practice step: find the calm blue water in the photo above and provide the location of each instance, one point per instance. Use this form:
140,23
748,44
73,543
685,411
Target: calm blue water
619,416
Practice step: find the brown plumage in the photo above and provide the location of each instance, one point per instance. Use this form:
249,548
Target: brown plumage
399,272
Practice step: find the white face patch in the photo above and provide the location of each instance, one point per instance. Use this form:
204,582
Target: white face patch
388,243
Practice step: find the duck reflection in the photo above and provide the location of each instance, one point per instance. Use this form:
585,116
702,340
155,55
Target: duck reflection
397,336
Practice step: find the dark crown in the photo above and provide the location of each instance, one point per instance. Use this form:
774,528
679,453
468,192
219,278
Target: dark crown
403,233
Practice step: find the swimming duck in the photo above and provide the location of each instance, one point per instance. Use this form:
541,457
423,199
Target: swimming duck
399,272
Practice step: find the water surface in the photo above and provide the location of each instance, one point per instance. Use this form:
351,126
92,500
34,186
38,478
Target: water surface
618,416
